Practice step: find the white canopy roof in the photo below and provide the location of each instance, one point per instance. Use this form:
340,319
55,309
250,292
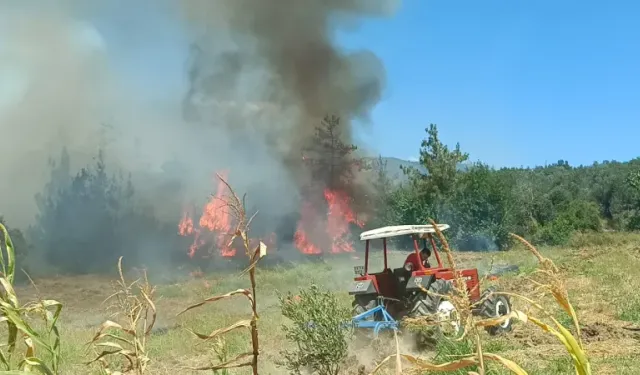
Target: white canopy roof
400,230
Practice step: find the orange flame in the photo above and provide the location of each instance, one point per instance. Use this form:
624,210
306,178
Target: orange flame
215,219
185,227
301,238
336,225
339,216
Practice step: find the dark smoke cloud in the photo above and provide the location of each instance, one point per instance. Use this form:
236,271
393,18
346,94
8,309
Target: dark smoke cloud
282,54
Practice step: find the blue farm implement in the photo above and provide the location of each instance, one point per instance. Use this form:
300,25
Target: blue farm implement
377,319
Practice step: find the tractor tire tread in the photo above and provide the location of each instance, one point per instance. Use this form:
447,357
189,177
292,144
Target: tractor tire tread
428,304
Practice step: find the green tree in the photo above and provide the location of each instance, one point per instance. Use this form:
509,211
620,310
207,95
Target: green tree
380,194
437,185
483,210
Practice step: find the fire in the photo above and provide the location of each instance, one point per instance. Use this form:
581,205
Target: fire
301,238
215,219
215,222
317,231
185,227
339,216
336,225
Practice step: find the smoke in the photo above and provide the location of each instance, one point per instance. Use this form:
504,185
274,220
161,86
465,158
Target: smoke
53,81
259,77
280,57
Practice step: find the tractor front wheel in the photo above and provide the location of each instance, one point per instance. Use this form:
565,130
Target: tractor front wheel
495,306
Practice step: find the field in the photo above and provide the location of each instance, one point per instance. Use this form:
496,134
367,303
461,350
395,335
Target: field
602,275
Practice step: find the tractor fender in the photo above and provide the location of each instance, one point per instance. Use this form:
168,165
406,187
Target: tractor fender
415,282
361,287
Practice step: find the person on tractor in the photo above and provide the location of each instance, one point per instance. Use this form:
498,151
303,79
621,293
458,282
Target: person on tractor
413,262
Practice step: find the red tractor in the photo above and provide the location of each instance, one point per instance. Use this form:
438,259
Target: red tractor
383,298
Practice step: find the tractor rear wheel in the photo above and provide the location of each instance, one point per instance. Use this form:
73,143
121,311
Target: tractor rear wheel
445,312
495,306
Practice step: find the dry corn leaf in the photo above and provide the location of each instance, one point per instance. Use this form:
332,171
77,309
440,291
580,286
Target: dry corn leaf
259,253
107,325
217,298
424,365
514,314
232,363
514,367
217,332
152,306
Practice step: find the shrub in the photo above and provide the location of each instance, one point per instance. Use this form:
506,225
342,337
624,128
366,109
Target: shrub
317,331
579,216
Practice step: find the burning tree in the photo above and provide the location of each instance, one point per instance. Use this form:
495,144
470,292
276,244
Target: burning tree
330,159
331,165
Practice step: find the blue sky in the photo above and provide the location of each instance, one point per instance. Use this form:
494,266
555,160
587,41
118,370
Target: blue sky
515,82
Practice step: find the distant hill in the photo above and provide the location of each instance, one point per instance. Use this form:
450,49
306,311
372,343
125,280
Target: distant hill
394,165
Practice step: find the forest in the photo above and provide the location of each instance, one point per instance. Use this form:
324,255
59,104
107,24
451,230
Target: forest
90,218
483,204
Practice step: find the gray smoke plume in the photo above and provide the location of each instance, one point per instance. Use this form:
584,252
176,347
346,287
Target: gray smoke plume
54,83
260,76
280,57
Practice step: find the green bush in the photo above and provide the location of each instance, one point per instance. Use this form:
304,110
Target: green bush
316,330
579,216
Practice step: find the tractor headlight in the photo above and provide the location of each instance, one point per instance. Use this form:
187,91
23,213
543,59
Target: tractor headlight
408,266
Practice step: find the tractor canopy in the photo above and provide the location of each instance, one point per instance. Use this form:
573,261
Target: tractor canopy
417,232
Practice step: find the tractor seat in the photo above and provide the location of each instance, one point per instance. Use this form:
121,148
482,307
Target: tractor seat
401,275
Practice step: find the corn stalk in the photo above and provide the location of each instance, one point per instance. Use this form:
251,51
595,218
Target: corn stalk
249,358
18,326
133,304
